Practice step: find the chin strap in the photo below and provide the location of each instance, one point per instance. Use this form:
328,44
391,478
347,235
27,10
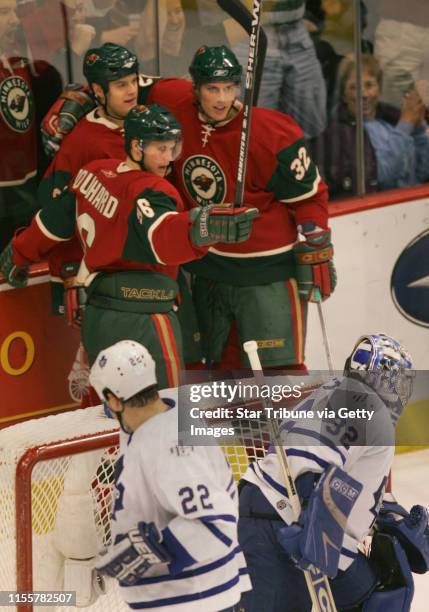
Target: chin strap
104,107
118,415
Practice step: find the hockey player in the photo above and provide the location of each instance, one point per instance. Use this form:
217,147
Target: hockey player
134,233
340,467
259,288
174,523
111,72
112,75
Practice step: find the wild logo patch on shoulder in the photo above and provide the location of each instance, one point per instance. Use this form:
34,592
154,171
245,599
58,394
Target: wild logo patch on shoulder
204,180
16,103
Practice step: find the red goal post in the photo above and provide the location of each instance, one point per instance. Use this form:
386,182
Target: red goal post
45,464
56,495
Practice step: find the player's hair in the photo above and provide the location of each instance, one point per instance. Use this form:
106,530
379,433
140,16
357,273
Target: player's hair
142,398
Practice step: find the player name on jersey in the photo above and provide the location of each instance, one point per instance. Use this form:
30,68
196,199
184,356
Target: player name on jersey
96,194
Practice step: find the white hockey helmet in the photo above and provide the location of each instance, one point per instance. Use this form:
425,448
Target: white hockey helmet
125,368
387,363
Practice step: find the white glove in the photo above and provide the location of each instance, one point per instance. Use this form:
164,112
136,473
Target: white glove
81,576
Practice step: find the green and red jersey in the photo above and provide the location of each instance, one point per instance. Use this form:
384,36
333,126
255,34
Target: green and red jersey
281,181
94,137
126,220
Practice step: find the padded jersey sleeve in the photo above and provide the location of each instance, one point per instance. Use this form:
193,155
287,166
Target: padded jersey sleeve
53,224
158,228
293,176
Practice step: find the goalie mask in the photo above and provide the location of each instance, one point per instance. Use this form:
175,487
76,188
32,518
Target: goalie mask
383,364
125,369
152,123
215,64
108,63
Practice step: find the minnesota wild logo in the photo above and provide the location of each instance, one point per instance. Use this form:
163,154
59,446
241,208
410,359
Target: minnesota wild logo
204,180
16,103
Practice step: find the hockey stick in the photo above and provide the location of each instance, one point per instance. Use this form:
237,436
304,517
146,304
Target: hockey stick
249,91
324,332
241,14
317,583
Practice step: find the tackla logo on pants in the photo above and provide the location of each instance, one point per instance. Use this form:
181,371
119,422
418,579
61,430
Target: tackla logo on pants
16,103
204,180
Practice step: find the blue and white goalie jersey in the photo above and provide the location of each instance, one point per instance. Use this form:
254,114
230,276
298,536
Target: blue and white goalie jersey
191,492
362,446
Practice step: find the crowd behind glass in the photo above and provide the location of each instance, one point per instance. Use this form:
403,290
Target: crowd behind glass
309,72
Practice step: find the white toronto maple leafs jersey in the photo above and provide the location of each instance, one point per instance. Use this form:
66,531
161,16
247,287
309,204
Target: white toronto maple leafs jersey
361,447
191,492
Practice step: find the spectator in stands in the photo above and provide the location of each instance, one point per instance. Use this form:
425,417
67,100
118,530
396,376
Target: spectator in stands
172,50
402,46
396,143
292,81
26,92
339,24
57,31
329,59
133,23
79,37
116,21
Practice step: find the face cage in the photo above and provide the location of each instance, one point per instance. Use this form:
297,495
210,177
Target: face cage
398,381
177,150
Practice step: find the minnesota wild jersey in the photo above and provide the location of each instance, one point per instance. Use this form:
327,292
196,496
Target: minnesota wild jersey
94,137
126,220
281,181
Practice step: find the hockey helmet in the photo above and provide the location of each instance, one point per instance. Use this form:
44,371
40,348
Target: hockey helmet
213,64
387,363
125,369
148,123
108,63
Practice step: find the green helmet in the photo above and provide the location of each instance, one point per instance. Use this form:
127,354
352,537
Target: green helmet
108,63
213,64
148,123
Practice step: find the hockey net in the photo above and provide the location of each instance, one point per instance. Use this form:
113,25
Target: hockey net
56,495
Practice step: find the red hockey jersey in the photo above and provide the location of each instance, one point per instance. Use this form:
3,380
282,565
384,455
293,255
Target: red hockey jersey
93,138
281,181
17,123
126,219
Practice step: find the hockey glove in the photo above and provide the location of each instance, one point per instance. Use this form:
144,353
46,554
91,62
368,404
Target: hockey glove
131,558
318,536
74,296
15,275
315,269
80,576
72,105
212,224
410,528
